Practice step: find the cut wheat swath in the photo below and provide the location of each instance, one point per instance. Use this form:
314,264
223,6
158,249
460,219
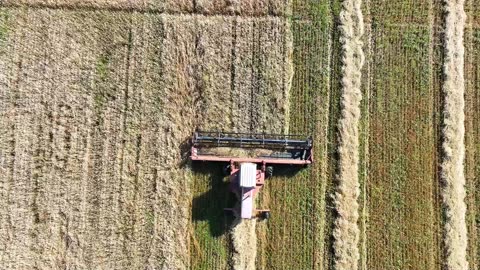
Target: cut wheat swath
346,231
245,244
453,177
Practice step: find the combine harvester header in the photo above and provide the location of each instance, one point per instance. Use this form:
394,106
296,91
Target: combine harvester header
249,158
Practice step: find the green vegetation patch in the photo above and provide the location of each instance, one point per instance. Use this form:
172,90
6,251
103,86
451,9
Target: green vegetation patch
402,165
209,243
4,24
401,11
472,143
313,11
296,233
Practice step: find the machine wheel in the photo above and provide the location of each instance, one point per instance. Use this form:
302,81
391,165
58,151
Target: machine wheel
269,171
226,170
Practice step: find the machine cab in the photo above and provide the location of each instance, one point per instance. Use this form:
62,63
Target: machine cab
248,181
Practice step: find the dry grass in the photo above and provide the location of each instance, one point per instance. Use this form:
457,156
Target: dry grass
244,241
180,6
453,134
472,128
95,107
243,71
244,7
210,7
91,124
346,232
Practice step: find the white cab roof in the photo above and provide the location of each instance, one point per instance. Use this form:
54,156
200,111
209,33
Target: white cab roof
248,175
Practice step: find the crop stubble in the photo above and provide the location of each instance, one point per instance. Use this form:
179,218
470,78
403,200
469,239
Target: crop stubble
300,199
472,131
401,186
140,78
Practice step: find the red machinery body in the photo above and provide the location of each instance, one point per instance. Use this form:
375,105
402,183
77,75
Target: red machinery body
247,174
246,195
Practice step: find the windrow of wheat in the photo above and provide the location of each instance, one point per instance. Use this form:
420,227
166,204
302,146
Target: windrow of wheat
346,231
452,174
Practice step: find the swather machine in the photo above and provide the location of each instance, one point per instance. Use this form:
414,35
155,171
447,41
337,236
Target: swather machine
249,161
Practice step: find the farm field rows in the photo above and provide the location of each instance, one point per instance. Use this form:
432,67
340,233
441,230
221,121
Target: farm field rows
472,131
214,7
402,200
300,242
85,120
98,100
401,194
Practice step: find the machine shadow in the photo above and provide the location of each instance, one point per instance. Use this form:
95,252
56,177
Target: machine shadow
209,205
286,170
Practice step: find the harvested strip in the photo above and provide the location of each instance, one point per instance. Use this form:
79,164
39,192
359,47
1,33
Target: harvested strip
346,231
453,176
244,244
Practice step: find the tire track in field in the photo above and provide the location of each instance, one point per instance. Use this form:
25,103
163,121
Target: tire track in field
346,231
452,167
